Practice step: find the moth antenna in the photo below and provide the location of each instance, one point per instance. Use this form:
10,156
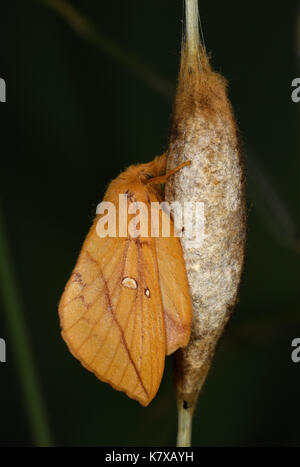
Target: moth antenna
163,178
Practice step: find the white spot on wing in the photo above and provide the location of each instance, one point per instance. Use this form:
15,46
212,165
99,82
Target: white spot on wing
129,283
147,293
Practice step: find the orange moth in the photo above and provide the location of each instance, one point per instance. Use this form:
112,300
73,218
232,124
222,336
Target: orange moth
127,303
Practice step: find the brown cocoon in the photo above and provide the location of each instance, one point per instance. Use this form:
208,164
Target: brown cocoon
204,131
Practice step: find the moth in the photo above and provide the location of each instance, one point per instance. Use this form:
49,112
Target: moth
127,303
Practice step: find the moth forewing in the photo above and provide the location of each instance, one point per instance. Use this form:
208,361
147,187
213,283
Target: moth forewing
127,304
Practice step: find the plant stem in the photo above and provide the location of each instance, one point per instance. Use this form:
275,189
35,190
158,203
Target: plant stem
192,26
185,418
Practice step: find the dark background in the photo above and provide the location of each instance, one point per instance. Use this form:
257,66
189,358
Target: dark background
78,111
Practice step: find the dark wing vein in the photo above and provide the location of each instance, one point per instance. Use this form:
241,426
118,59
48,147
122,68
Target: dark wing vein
110,307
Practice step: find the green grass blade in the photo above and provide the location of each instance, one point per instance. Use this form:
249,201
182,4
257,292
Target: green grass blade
19,343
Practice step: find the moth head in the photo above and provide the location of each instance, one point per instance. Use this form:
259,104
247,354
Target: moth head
138,179
143,173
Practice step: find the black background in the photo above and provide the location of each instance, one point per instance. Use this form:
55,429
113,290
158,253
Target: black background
75,116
